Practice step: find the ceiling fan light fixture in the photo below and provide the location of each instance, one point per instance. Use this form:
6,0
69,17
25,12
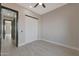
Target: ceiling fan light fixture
30,7
40,3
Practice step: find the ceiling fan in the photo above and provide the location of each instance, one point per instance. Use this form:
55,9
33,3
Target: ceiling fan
42,4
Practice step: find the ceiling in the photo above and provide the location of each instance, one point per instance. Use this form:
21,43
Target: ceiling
39,9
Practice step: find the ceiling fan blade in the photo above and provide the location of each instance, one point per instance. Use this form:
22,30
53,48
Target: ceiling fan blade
43,5
36,5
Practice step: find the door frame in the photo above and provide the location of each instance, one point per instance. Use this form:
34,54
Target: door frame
0,29
16,22
3,27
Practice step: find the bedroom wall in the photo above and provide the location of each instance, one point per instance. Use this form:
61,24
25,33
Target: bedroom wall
22,22
61,25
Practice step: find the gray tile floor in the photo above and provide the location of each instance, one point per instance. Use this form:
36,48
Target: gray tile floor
40,48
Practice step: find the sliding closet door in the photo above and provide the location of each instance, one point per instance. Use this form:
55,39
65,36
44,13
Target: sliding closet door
0,29
31,29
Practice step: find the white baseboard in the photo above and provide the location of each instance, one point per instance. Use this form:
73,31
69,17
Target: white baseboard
24,43
57,43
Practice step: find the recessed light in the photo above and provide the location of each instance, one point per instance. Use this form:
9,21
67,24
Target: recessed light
8,14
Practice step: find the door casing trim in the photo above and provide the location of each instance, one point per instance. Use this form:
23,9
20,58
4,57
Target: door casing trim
16,22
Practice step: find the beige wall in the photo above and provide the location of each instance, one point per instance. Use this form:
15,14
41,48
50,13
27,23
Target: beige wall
22,21
61,25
